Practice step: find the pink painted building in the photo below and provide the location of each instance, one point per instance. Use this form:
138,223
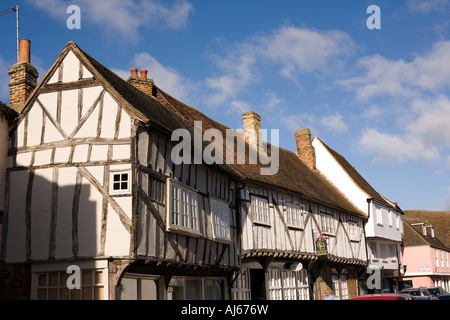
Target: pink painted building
425,255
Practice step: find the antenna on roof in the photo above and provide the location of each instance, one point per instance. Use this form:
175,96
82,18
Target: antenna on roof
16,10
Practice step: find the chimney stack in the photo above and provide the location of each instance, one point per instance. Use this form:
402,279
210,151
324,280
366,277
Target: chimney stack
252,127
305,149
142,83
23,78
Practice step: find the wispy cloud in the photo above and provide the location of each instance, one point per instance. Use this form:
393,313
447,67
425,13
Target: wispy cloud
398,78
427,6
165,77
425,137
123,17
290,50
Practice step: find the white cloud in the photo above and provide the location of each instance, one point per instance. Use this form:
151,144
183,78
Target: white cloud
334,123
425,137
291,50
304,50
123,17
426,6
429,72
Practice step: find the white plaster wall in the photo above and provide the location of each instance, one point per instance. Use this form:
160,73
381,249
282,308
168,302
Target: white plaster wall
334,172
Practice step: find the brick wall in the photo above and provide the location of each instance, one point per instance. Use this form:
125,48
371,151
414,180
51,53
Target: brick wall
15,281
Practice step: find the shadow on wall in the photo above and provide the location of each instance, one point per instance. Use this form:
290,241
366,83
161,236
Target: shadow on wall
50,215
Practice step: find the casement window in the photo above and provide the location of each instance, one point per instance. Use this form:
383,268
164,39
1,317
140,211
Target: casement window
120,182
339,286
353,230
379,214
241,287
220,214
390,218
182,208
294,215
327,223
260,210
397,221
286,284
437,257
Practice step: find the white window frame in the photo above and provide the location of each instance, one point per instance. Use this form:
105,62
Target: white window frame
294,215
379,215
353,230
390,218
220,219
327,223
260,210
112,183
185,217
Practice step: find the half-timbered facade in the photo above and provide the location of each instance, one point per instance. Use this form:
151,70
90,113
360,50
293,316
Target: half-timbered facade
90,186
299,235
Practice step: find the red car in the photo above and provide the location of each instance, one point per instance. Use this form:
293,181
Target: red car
383,296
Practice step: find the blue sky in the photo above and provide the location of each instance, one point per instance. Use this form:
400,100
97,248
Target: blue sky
379,97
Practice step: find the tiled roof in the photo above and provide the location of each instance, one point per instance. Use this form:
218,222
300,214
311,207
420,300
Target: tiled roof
440,220
358,179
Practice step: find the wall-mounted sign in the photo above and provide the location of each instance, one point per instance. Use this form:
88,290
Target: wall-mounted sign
321,245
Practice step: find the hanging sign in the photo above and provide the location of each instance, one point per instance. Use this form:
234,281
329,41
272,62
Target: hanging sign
321,245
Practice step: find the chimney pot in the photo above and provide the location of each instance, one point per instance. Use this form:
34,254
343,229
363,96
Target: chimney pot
24,50
134,72
144,73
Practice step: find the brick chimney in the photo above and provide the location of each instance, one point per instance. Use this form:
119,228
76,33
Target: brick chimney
23,78
252,127
305,149
141,82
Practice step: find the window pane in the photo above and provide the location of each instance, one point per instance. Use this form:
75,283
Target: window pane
42,294
116,186
53,279
116,177
87,278
124,185
124,176
42,282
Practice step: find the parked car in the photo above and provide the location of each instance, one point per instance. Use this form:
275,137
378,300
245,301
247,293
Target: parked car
444,297
384,296
436,291
419,293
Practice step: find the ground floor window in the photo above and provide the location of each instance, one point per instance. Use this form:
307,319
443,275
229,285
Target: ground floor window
137,287
241,286
286,284
339,286
196,289
53,286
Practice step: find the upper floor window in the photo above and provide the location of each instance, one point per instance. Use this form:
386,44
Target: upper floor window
390,218
379,214
260,210
220,214
327,223
397,221
294,215
182,208
120,182
353,230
